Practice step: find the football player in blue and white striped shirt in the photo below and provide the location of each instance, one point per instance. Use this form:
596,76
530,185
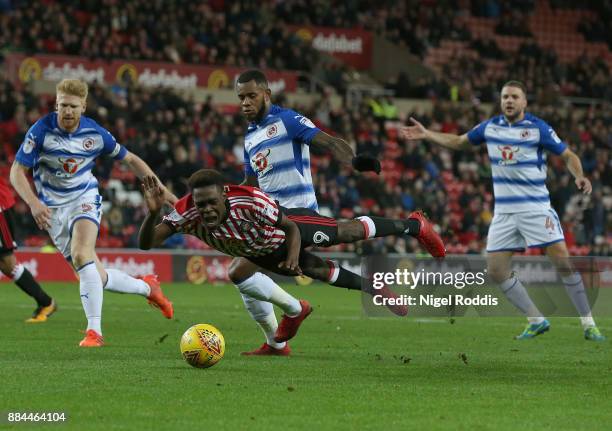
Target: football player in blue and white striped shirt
61,148
517,143
277,160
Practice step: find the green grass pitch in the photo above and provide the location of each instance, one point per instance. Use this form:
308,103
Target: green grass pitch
347,372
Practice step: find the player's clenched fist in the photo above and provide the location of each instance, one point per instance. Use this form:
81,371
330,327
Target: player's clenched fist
366,163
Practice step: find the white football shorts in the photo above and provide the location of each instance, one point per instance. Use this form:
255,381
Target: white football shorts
88,206
515,231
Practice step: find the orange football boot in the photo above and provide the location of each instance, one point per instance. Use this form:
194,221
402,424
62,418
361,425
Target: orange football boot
267,350
157,298
92,339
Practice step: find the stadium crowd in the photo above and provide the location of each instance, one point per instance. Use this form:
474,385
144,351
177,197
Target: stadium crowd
249,33
177,136
215,33
419,26
546,79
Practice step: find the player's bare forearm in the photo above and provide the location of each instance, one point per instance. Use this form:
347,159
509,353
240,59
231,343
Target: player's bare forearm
344,153
572,161
19,180
447,140
147,231
338,147
150,234
141,169
574,166
138,166
292,242
416,130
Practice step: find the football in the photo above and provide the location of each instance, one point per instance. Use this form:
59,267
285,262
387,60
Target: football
202,345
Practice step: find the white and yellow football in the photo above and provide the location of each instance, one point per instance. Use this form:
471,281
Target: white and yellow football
202,345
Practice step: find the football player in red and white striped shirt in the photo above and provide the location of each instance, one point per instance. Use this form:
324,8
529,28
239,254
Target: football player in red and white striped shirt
250,229
244,221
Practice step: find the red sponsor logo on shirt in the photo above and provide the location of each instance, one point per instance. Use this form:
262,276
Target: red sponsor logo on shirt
508,154
261,161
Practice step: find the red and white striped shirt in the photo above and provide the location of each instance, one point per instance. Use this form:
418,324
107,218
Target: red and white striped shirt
250,228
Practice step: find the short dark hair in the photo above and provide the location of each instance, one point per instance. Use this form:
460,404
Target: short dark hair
517,84
253,75
206,177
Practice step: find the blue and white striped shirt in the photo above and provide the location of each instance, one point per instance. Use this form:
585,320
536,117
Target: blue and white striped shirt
518,161
276,152
61,161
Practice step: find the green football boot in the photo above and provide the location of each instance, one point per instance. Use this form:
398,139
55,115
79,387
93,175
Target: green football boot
534,329
593,334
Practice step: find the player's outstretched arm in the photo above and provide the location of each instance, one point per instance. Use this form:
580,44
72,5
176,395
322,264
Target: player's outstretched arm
572,161
19,180
339,148
150,234
448,140
344,153
141,169
292,242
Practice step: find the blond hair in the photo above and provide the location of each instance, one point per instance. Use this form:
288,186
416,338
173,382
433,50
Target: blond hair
73,87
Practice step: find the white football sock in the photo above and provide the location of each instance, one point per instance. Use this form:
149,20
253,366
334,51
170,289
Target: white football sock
517,295
119,281
262,287
263,313
575,289
90,287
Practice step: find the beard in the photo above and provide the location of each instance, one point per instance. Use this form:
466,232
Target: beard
260,113
67,123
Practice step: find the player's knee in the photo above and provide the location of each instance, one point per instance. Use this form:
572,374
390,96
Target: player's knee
313,266
5,267
7,264
318,274
499,274
561,259
80,257
237,272
564,266
316,270
350,231
233,272
234,276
